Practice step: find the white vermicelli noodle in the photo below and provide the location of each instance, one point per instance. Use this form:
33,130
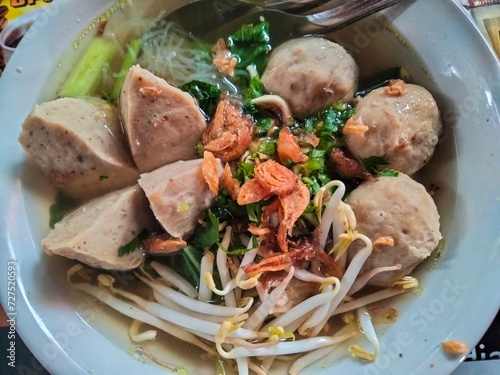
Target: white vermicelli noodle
167,51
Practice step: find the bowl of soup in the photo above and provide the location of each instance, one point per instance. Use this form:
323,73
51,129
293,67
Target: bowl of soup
190,197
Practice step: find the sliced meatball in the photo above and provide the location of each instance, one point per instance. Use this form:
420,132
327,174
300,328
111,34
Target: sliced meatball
94,232
178,195
402,123
397,207
311,74
162,122
79,144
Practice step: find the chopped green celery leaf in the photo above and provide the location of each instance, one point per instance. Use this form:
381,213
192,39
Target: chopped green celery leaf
313,164
200,149
341,106
255,89
323,178
288,163
244,172
130,58
387,172
62,206
316,180
315,153
329,122
238,251
267,146
236,247
309,124
206,236
312,184
329,143
227,209
255,242
207,95
330,125
310,208
372,163
134,244
85,78
263,125
254,212
263,121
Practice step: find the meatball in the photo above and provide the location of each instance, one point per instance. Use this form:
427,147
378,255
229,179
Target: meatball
311,74
397,207
402,126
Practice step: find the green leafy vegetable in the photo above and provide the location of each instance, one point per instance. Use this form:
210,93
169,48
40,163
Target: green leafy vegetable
134,244
254,212
227,209
130,58
254,90
387,172
327,125
250,45
60,208
263,125
244,172
206,235
191,264
237,247
267,146
206,94
87,74
315,161
372,164
238,251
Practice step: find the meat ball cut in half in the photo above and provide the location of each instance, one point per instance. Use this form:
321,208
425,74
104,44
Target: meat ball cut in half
399,208
311,74
80,146
401,124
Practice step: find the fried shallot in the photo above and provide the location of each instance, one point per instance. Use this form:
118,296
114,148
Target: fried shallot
230,131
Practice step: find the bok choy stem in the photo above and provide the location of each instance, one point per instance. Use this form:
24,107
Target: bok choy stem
130,58
87,74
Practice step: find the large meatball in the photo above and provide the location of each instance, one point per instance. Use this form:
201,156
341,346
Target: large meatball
403,126
397,207
311,74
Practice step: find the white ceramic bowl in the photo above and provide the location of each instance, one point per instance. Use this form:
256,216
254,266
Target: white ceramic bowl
442,49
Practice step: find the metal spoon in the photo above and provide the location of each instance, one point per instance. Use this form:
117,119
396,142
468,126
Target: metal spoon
202,17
